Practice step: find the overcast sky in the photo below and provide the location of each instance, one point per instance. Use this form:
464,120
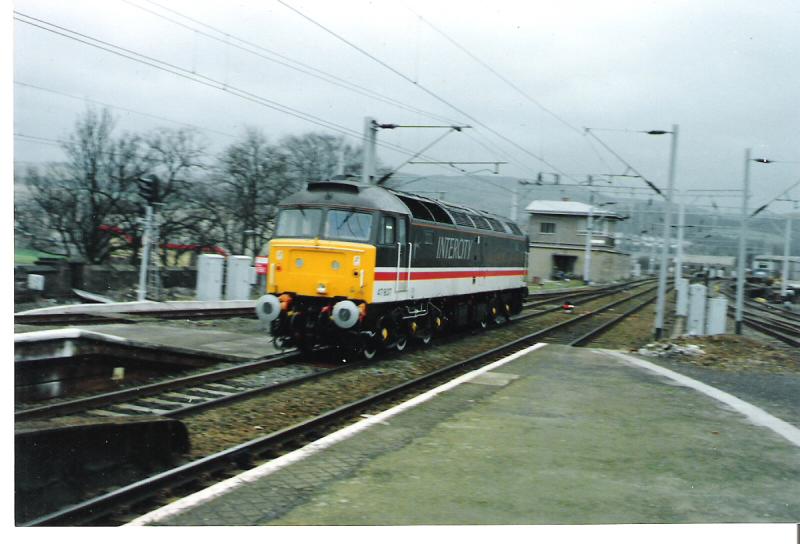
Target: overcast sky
725,71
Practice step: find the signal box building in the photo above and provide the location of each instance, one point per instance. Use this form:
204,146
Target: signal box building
557,241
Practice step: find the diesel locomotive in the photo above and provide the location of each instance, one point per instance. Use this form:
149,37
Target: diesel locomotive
363,268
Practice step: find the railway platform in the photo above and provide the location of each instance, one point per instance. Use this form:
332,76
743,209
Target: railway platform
550,435
225,345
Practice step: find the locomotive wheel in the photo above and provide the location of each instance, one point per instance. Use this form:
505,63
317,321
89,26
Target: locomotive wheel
402,342
483,323
279,342
426,338
369,351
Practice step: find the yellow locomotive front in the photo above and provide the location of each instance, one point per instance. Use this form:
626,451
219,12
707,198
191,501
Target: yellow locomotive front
312,267
320,276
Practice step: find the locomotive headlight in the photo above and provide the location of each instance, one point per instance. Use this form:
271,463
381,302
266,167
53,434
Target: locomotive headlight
322,289
298,263
279,254
335,265
357,260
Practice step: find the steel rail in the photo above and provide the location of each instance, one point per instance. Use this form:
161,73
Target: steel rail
113,397
591,335
90,317
131,317
106,399
588,315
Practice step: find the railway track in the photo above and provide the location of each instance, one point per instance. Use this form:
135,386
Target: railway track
184,395
94,315
776,322
240,456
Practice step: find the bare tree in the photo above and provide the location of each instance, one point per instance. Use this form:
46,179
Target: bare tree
83,204
179,161
253,178
316,156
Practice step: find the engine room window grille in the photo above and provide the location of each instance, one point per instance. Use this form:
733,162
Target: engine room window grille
496,225
480,222
438,213
461,218
514,228
418,209
547,228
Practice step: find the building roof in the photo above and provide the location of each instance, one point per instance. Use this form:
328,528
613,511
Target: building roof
792,258
567,207
715,260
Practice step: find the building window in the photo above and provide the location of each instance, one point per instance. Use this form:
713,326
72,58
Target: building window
547,228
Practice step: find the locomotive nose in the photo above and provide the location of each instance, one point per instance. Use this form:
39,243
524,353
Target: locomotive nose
267,308
345,314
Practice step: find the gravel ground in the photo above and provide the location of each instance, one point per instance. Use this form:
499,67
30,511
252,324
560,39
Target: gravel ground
753,367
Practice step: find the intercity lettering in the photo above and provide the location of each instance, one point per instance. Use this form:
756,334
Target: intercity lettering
453,248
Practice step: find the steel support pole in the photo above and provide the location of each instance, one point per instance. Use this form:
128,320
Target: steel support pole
148,219
587,251
787,238
679,248
368,165
742,245
514,202
662,272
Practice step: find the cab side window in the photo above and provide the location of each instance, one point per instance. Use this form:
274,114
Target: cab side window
388,233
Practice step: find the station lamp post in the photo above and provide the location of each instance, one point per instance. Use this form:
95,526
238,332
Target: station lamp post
662,272
662,275
740,265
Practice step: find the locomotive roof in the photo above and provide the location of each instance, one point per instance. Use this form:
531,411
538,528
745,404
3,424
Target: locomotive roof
346,192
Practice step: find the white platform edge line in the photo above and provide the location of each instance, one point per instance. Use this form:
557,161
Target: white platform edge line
65,334
755,414
274,465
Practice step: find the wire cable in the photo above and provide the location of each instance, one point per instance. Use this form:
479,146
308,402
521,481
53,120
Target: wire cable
626,163
202,79
106,104
422,87
283,60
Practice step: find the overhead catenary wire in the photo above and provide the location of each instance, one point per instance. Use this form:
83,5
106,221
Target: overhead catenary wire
283,60
177,70
55,142
626,163
121,108
421,87
197,78
508,82
764,206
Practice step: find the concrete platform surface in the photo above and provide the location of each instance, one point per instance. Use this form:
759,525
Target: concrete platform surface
557,435
228,345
